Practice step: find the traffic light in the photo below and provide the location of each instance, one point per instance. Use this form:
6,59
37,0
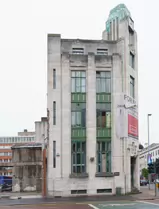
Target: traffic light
157,166
151,168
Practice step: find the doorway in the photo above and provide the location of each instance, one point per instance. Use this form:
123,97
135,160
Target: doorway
133,162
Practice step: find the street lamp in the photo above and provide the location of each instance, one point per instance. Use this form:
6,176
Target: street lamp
148,130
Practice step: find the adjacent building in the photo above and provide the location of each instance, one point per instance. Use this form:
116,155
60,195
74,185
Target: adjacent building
92,100
154,154
27,167
5,149
41,130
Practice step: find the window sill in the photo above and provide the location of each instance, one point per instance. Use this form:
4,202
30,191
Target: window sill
82,175
104,174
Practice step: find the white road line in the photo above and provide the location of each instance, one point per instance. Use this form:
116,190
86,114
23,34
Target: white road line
92,206
150,203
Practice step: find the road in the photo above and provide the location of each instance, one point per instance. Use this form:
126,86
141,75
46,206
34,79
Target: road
93,205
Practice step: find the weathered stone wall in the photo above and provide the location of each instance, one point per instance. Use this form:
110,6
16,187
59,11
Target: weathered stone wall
27,170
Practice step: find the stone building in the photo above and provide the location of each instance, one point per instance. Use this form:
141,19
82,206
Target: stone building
27,167
92,89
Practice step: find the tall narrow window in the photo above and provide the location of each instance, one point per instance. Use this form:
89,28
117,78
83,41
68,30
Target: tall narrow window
103,82
54,78
132,87
103,156
54,154
54,113
103,115
132,60
78,81
78,115
78,157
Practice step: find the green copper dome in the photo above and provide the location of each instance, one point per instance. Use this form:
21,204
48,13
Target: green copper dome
120,12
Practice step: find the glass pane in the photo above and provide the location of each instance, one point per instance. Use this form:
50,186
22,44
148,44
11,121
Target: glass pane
74,147
108,86
108,74
73,84
108,119
78,85
78,146
83,169
103,85
83,118
78,169
77,74
103,146
74,169
102,74
83,159
83,85
78,159
83,74
98,85
72,73
78,119
83,146
73,118
74,159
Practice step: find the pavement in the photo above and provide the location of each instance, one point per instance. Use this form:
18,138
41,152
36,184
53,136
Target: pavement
145,200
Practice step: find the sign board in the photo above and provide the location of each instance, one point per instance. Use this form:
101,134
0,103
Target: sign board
132,126
129,101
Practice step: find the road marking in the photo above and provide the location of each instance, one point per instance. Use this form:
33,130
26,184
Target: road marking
92,206
150,203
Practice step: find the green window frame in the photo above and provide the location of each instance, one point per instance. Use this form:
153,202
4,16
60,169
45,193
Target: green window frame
103,115
78,115
78,157
78,81
103,81
103,156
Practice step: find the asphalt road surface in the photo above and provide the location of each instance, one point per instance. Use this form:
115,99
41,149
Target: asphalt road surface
93,205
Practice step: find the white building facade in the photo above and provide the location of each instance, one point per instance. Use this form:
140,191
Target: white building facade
93,114
41,128
154,153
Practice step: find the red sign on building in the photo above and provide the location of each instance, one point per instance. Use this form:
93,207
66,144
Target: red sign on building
132,126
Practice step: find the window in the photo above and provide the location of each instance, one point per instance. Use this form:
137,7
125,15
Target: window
103,157
78,115
132,60
77,51
54,154
78,157
103,82
103,114
54,78
102,51
54,113
132,87
78,81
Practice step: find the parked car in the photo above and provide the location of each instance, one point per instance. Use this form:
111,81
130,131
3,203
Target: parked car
5,188
143,182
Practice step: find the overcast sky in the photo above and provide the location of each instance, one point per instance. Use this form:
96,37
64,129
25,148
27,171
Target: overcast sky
24,25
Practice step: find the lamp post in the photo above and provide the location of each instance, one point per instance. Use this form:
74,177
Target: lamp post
148,130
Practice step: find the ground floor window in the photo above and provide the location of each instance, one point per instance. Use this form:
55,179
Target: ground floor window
78,151
103,156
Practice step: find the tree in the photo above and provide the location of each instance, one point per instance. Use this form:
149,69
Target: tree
145,173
